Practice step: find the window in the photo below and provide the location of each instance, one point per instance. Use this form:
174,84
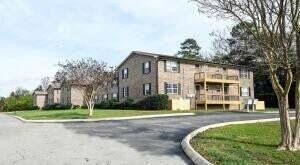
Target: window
172,88
243,73
205,68
125,92
105,97
125,73
114,96
218,70
218,89
226,89
172,66
105,83
114,83
96,98
147,67
147,89
245,92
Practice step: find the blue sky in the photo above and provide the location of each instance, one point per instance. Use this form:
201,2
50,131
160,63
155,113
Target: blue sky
37,34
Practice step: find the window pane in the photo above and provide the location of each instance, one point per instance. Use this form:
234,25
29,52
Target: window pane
147,86
245,91
147,65
172,88
172,66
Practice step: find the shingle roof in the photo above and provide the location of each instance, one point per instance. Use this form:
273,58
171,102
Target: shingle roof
163,56
40,93
55,85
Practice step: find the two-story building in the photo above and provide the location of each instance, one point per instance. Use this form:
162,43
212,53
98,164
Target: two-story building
71,94
54,93
207,85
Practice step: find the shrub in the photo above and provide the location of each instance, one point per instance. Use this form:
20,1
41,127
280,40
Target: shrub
127,104
156,102
75,106
85,107
57,107
35,108
109,104
19,103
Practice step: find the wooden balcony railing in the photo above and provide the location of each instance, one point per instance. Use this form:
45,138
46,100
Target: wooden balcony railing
217,98
231,98
216,77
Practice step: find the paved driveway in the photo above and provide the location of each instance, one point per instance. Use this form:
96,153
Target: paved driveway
132,142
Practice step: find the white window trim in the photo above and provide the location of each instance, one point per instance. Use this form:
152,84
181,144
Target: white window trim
172,66
147,92
147,67
125,92
244,74
114,95
245,92
172,88
125,73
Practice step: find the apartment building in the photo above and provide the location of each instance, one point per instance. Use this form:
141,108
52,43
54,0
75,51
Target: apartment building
110,92
71,94
207,85
54,93
40,98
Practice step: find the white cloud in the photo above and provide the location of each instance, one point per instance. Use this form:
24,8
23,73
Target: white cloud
37,34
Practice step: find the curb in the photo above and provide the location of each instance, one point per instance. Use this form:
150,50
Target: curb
199,159
104,119
277,112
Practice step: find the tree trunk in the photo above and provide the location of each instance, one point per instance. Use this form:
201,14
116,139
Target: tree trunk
286,131
91,108
296,140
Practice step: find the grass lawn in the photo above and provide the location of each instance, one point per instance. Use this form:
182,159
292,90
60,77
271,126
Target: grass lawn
83,114
244,144
271,109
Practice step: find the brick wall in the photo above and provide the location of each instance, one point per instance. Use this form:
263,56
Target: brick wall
136,78
40,100
71,95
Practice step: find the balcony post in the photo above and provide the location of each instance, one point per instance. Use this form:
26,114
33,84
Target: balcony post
239,92
223,96
205,93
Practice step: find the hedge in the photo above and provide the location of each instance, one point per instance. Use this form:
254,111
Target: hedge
155,102
57,107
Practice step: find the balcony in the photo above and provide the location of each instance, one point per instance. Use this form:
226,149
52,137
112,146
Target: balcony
218,99
216,78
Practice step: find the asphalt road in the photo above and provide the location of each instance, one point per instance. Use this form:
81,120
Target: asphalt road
132,142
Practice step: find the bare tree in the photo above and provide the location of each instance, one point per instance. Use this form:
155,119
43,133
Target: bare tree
45,82
297,91
274,30
89,76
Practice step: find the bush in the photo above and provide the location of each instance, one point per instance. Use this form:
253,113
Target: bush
35,108
109,104
75,106
57,107
19,103
127,104
156,102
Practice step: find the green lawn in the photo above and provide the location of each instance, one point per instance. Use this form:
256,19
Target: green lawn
271,109
83,114
244,144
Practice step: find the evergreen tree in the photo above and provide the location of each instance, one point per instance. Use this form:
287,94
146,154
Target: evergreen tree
242,49
190,49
